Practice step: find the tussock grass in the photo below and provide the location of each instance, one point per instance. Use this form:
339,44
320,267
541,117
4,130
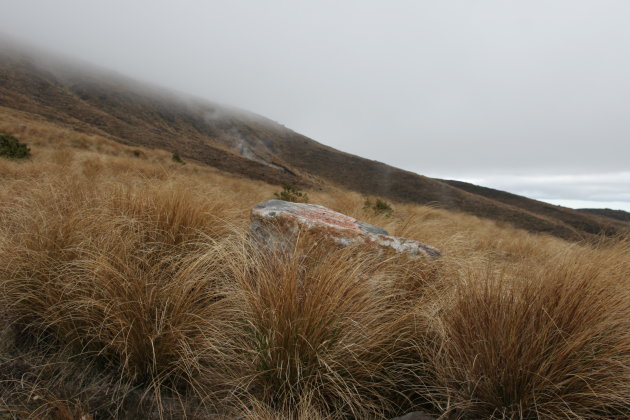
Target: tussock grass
129,288
323,324
545,341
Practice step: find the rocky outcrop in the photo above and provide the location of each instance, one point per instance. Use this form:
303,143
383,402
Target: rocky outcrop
278,221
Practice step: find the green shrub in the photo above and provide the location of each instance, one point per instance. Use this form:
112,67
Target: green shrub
10,147
378,207
177,158
292,193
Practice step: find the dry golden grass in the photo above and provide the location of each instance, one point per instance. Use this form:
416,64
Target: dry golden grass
548,341
129,288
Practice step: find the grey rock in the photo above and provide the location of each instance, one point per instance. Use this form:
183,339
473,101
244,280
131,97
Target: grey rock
277,222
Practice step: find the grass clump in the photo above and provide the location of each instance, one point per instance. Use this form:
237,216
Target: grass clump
322,323
119,276
550,342
12,148
379,207
178,159
292,193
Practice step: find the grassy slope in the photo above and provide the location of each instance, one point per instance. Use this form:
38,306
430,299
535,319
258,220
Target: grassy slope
129,289
123,110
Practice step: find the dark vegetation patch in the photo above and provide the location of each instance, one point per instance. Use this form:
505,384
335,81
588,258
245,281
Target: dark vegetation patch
12,148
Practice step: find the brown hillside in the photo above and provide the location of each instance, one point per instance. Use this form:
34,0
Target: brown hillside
574,218
97,102
624,216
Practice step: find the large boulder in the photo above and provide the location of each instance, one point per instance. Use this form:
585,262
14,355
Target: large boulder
278,222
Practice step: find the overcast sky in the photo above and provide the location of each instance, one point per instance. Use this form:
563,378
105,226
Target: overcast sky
529,96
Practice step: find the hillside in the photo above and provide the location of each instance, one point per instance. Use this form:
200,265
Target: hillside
130,289
624,216
578,219
94,101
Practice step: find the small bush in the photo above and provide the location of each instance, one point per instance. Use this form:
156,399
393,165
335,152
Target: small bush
177,158
11,147
292,193
378,207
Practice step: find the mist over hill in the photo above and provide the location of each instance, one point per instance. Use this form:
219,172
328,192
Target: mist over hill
97,101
